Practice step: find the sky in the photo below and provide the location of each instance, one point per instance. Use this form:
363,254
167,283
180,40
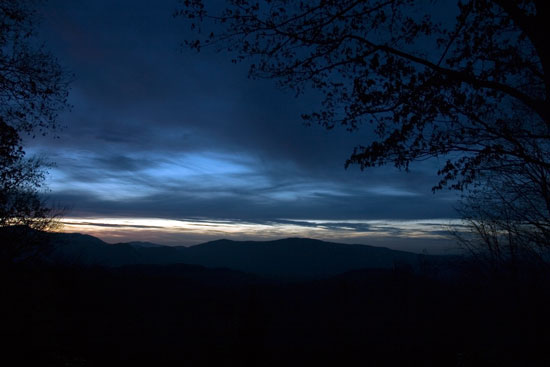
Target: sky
169,146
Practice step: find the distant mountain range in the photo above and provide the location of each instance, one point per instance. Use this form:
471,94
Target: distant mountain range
287,258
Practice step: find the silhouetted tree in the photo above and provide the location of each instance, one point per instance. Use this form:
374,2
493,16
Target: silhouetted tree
463,80
21,206
33,89
466,81
507,219
33,86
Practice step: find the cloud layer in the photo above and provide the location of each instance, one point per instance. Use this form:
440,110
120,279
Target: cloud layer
157,132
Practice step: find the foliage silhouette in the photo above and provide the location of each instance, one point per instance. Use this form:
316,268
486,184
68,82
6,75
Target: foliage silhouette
23,213
466,81
33,90
507,221
33,86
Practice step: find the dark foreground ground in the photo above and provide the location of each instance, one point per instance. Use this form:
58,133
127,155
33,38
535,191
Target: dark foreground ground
181,315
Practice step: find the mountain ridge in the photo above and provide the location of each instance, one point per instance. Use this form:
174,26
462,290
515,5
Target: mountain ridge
292,257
